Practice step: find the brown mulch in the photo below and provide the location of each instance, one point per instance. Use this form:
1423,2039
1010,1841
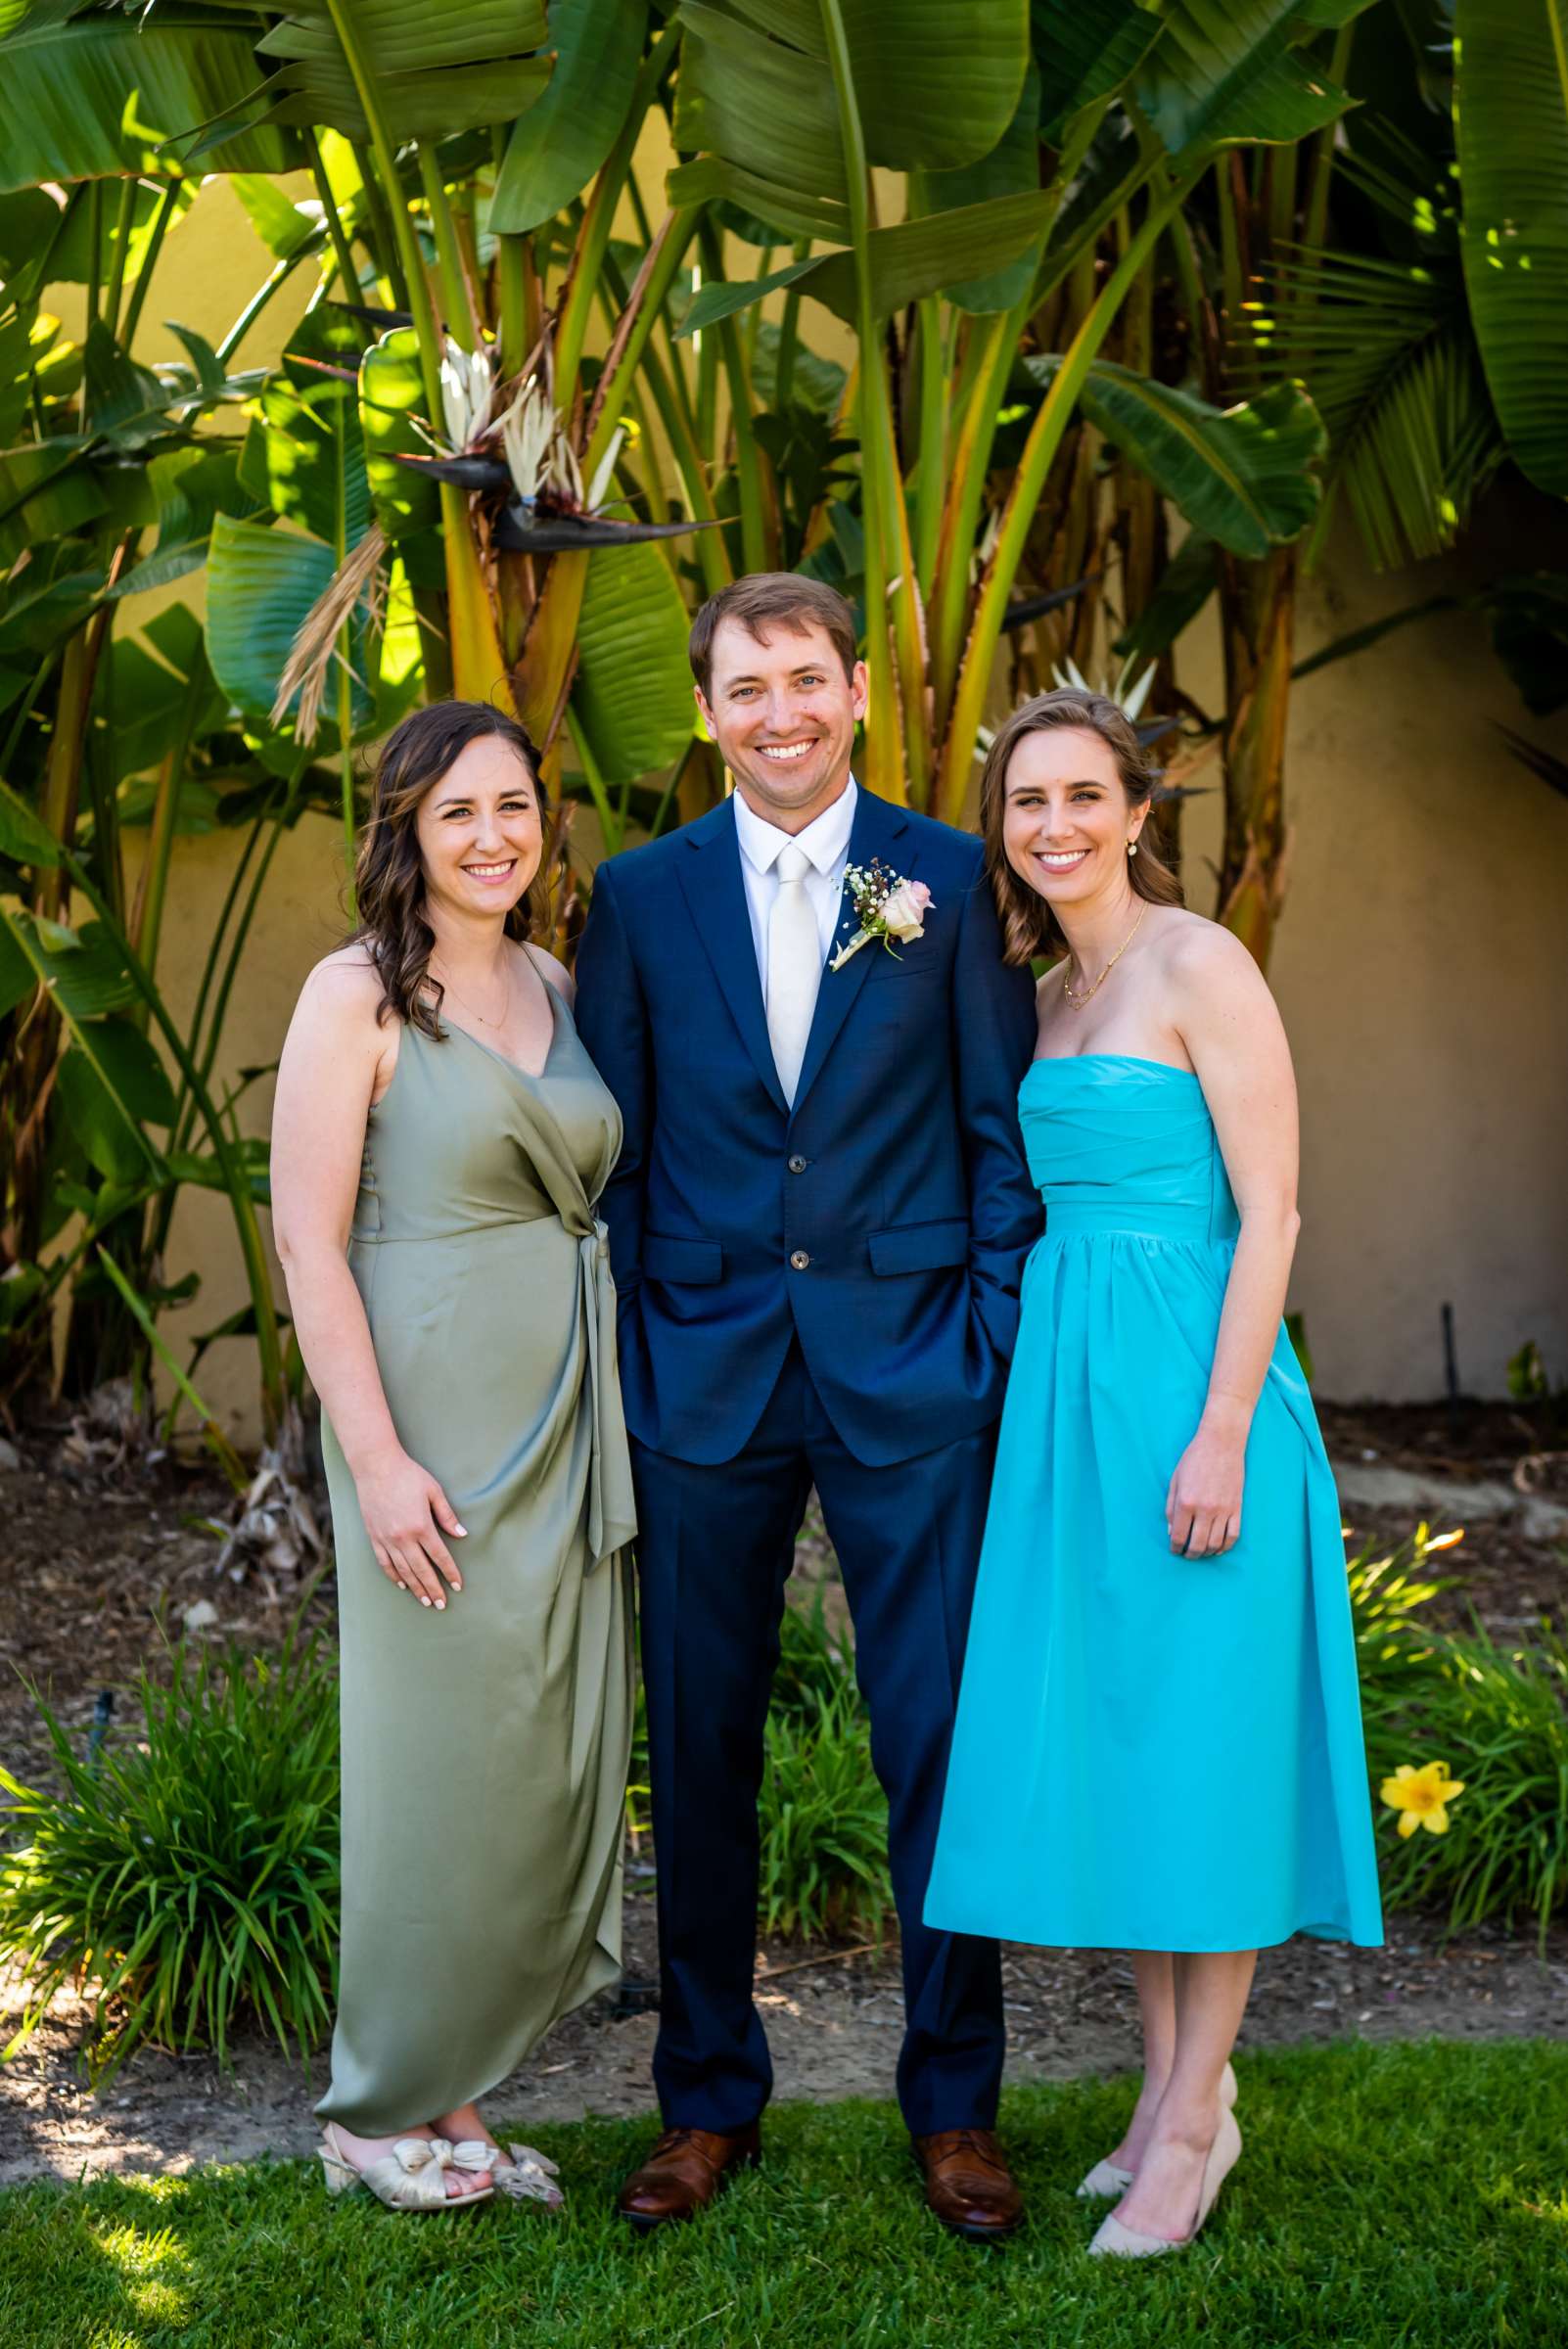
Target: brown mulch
1467,1438
98,1565
101,1558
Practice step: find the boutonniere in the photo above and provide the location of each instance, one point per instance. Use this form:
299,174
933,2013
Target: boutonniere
886,906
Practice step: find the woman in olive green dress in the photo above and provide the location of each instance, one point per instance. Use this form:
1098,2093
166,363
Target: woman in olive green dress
440,1140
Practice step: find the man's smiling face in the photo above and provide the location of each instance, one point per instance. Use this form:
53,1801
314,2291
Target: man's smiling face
783,714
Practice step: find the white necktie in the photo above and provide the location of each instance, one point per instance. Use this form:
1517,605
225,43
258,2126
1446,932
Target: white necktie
793,968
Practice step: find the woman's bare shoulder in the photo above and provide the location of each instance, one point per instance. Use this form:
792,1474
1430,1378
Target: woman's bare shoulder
1209,977
553,971
344,989
1191,947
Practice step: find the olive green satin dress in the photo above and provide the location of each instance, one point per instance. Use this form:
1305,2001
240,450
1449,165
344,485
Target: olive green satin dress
484,1746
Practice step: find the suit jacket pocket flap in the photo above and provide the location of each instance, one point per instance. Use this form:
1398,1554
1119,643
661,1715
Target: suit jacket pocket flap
695,1263
920,1247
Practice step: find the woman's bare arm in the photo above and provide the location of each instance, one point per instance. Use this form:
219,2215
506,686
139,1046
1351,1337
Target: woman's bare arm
1221,1006
326,1079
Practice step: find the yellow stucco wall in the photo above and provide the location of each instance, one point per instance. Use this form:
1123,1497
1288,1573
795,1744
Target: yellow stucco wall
1421,962
1422,970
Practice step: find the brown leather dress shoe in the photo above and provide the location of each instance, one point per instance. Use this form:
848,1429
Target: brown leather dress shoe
686,2169
968,2183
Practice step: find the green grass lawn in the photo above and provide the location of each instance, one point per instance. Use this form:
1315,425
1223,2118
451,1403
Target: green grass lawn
1386,2196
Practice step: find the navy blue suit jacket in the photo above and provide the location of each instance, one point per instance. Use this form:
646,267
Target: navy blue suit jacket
884,1220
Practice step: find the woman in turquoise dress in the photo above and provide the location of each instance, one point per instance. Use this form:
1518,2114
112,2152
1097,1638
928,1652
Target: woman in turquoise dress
1159,1739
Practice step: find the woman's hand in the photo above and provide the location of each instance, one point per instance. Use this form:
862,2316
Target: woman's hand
405,1513
1203,1507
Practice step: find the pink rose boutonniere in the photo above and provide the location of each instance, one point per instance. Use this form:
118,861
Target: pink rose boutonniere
886,906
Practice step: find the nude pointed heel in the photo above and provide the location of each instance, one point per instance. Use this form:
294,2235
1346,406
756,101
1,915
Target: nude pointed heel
1116,2241
1107,2182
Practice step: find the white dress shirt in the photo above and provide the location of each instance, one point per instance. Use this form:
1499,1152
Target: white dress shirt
825,840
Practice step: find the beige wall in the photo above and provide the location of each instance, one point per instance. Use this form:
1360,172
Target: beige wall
1421,965
1423,969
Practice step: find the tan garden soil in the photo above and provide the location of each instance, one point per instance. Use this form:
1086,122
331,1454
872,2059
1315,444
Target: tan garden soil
95,1554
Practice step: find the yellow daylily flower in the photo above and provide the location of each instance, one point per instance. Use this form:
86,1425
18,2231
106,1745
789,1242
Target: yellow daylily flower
1423,1796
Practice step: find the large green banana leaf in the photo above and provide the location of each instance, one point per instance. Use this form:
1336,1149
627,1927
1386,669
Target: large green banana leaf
937,84
1011,169
22,838
97,99
391,392
1180,592
112,1086
440,66
761,106
555,149
260,586
1230,69
633,697
35,623
112,1083
163,692
414,36
47,489
1511,103
1242,474
913,259
83,969
17,978
707,178
304,457
413,105
1083,50
191,487
283,226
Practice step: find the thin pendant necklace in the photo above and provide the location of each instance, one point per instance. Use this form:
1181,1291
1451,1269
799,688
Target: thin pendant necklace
506,1005
1076,1002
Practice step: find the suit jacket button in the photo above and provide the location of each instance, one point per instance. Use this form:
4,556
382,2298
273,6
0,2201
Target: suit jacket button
797,1164
800,1259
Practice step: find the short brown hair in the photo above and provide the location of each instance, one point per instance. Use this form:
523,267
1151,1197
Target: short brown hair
390,870
1028,927
779,597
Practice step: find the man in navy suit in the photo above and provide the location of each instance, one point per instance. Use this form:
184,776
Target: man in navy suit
817,1227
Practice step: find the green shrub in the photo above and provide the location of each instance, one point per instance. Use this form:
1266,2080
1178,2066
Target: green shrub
188,1876
823,1820
812,1665
1498,1716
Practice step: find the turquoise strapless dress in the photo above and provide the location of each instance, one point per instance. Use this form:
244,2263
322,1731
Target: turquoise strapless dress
1151,1752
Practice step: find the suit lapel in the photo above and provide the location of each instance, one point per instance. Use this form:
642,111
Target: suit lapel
877,825
711,877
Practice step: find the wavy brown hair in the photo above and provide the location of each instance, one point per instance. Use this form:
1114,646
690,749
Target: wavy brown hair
389,871
1028,927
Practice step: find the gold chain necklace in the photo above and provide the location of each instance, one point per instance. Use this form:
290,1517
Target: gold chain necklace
1076,1002
506,987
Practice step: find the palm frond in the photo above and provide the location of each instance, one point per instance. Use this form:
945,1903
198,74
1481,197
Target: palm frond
1389,351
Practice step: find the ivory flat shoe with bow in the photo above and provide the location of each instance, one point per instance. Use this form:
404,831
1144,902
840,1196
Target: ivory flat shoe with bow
524,2175
1108,2181
413,2175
